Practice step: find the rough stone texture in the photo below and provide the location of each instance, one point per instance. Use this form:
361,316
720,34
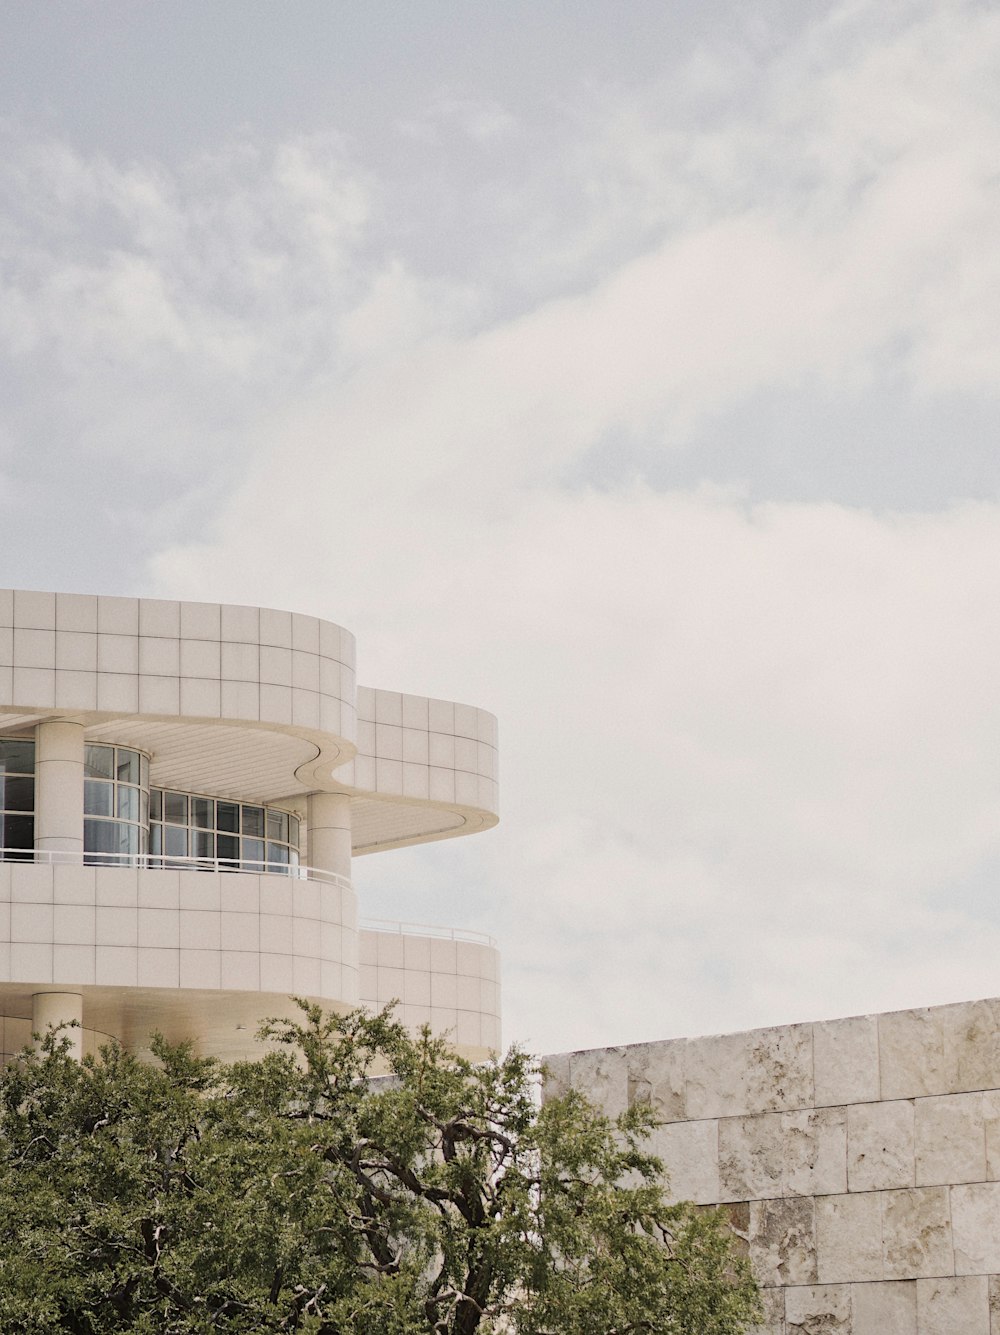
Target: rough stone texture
953,1306
994,1300
815,1151
858,1161
821,1310
603,1075
783,1242
991,1126
916,1233
848,1238
692,1151
845,1061
880,1146
751,1158
884,1309
661,1069
975,1217
773,1302
913,1054
950,1139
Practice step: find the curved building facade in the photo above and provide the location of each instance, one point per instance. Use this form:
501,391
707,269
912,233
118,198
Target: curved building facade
183,788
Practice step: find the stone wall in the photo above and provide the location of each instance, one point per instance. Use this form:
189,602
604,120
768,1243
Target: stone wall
858,1159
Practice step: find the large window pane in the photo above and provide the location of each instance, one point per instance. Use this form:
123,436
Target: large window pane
17,832
156,804
228,848
228,817
17,756
253,822
16,793
128,802
277,854
99,762
203,813
128,766
253,853
175,841
175,808
277,825
203,844
97,797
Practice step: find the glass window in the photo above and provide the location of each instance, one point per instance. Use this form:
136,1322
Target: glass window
97,797
253,822
16,793
229,848
203,844
203,813
175,808
18,833
99,762
277,825
277,854
117,816
175,841
127,766
17,756
128,803
228,816
156,804
253,851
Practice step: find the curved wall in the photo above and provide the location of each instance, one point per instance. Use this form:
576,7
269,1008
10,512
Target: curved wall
858,1159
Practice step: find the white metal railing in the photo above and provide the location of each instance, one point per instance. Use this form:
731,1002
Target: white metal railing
162,862
422,929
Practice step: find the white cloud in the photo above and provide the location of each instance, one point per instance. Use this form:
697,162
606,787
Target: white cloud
748,749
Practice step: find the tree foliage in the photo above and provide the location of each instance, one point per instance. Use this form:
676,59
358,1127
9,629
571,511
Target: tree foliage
301,1193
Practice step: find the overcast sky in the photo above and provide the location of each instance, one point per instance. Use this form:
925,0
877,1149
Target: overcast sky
629,370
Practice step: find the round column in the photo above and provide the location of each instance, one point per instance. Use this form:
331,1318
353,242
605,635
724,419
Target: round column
59,788
49,1009
329,833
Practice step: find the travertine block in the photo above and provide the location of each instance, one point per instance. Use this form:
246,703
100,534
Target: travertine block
975,1216
916,1233
973,1029
991,1127
823,1309
880,1146
884,1309
815,1152
783,1241
557,1077
690,1154
913,1053
751,1157
602,1074
773,1323
949,1139
994,1299
953,1306
715,1080
662,1068
845,1056
780,1069
848,1238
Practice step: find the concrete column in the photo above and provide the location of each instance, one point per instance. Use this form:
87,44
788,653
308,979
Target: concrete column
329,833
59,787
49,1009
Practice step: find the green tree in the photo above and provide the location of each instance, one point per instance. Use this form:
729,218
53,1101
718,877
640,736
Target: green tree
306,1193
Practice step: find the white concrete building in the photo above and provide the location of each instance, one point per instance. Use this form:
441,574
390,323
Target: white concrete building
183,787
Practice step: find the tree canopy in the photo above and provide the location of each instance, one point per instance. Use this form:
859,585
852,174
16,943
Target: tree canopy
305,1192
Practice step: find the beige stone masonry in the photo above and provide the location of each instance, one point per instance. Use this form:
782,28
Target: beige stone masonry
858,1159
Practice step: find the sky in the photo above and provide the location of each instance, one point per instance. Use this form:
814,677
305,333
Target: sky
628,370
